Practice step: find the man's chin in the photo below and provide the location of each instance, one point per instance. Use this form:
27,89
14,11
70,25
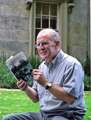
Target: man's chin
43,56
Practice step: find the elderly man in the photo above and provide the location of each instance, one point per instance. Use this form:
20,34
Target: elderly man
58,83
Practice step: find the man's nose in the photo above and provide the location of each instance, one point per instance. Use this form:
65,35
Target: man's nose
41,45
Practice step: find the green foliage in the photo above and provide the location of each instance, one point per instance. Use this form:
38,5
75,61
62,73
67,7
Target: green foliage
86,66
87,78
7,80
87,82
2,58
35,61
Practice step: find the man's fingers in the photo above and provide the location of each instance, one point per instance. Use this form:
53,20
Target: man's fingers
22,85
19,82
37,72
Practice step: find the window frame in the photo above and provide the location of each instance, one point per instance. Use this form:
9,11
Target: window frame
62,25
49,16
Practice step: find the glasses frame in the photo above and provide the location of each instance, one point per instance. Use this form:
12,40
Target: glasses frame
44,44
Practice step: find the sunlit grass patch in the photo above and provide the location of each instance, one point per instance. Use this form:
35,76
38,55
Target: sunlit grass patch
15,102
18,102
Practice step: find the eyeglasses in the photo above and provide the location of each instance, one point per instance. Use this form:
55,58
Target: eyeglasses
44,44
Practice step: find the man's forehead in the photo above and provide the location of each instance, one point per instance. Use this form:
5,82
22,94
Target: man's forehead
43,35
46,31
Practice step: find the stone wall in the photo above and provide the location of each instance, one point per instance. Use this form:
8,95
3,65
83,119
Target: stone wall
14,26
78,30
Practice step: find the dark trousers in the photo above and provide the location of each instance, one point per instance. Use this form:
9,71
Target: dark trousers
38,116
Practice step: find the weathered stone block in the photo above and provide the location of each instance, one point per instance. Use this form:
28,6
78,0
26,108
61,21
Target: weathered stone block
77,52
24,12
70,39
13,47
10,10
10,22
21,35
70,27
79,28
81,40
77,40
79,12
1,1
0,21
24,23
15,22
18,2
14,35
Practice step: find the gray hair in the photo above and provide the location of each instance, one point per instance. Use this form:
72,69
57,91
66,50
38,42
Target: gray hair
55,36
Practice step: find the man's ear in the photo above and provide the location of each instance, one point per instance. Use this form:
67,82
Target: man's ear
57,43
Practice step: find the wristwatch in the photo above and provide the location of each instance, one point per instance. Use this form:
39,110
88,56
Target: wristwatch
49,84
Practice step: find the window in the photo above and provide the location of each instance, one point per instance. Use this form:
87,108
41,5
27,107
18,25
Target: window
46,16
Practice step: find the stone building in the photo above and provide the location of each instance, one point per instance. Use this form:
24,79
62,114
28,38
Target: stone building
21,20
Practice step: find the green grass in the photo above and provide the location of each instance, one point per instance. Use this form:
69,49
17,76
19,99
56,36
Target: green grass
87,99
17,102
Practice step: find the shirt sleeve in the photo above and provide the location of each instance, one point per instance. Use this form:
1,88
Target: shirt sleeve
73,80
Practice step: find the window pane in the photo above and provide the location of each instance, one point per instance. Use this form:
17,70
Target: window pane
53,9
53,23
45,22
38,8
37,31
38,22
45,9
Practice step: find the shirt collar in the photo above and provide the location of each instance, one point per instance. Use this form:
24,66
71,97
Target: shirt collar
55,61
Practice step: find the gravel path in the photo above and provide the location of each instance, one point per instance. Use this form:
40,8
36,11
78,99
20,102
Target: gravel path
9,89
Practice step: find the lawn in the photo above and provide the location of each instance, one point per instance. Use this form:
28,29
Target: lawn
17,102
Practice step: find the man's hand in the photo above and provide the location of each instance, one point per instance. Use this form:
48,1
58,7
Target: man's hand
22,85
39,77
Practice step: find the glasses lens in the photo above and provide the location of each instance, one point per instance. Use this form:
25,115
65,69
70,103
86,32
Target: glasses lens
43,44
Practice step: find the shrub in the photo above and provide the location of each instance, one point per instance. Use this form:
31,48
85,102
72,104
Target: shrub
87,78
7,80
87,82
35,61
86,66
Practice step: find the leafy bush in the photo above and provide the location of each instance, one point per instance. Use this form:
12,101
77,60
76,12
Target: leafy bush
86,66
87,82
35,61
7,80
87,78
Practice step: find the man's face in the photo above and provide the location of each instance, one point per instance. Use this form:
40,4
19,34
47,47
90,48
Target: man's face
46,47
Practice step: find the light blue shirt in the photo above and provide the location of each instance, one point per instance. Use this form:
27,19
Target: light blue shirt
66,72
